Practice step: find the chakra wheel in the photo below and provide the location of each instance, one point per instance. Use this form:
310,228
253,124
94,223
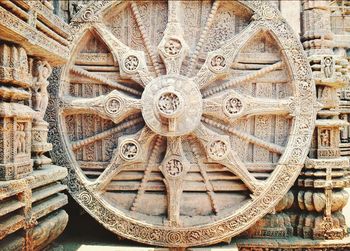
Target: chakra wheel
181,123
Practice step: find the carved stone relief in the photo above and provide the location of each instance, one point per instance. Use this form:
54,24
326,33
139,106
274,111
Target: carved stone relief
31,38
192,123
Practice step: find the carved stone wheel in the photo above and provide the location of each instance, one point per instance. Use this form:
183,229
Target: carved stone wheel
182,123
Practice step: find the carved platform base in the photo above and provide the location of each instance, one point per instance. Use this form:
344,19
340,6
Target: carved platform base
256,244
48,229
293,244
30,214
271,226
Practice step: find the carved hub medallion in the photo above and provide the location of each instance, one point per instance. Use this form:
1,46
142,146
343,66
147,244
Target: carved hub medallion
169,104
176,108
179,136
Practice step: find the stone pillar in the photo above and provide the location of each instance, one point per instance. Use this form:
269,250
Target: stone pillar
321,195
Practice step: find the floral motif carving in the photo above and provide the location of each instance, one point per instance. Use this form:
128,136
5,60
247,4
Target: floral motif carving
131,63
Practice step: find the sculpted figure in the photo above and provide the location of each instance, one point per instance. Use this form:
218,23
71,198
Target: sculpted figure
325,138
20,138
40,96
328,67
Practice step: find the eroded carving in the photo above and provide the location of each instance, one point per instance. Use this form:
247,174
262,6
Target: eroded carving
169,103
218,149
174,167
40,97
218,63
233,106
186,142
129,149
131,63
173,47
113,105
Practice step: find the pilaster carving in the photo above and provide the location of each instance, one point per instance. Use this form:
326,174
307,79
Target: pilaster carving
321,195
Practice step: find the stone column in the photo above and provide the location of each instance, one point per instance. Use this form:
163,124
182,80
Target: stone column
321,195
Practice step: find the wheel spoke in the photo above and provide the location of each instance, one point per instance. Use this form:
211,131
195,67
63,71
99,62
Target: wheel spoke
244,79
94,76
217,63
132,63
174,168
173,47
202,37
145,37
208,185
131,149
231,105
247,137
218,150
114,106
151,162
99,136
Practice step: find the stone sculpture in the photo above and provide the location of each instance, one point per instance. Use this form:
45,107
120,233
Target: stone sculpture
181,123
32,39
186,117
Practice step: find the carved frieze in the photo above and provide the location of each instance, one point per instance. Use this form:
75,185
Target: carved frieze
16,124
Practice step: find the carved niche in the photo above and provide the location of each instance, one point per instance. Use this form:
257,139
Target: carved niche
181,123
15,138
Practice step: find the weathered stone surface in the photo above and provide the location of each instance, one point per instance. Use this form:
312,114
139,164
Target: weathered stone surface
171,109
181,123
31,38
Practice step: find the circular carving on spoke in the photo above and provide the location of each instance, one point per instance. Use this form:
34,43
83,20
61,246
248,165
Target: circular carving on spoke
131,63
135,202
174,167
232,106
173,47
218,149
113,105
218,63
129,149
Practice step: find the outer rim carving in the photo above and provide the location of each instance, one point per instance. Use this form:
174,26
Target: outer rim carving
286,172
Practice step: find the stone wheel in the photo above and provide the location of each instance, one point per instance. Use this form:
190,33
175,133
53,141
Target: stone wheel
181,123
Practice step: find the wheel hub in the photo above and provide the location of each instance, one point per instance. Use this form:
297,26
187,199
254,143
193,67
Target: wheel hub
176,108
